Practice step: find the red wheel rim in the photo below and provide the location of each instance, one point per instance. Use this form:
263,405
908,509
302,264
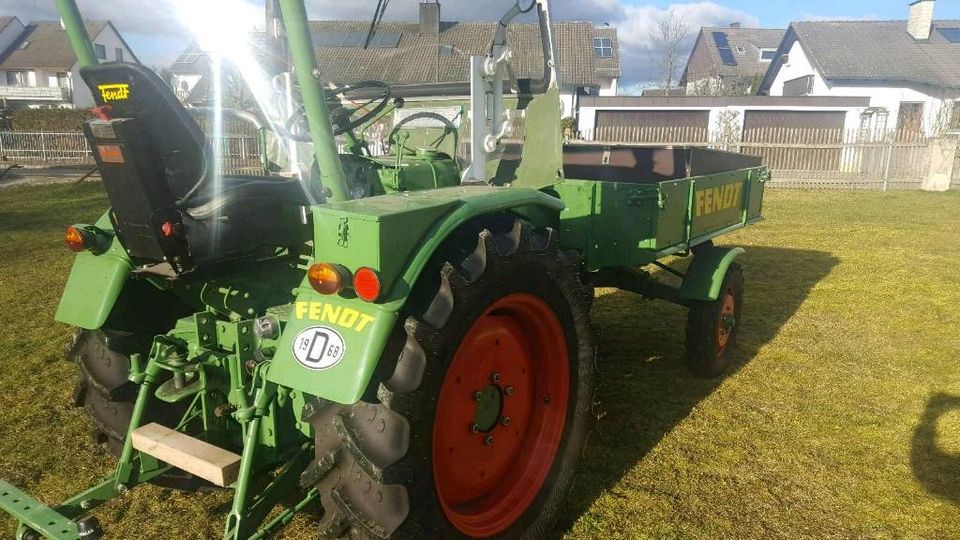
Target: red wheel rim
500,415
727,320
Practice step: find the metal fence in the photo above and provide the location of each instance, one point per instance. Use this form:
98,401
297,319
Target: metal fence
240,149
799,157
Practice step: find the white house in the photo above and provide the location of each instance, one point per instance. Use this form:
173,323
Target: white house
910,70
39,69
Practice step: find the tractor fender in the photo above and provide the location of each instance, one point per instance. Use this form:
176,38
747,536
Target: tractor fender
330,345
705,275
94,284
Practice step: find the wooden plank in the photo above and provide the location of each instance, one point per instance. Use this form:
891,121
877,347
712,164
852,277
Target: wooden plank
197,457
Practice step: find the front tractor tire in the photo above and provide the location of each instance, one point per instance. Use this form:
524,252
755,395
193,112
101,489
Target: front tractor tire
479,420
713,327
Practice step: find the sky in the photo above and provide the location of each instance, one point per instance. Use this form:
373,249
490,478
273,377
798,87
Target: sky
157,35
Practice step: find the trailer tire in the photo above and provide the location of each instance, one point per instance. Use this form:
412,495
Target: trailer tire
107,395
382,467
713,327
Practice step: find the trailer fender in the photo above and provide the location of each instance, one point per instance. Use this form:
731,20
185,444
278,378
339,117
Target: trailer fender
94,284
331,345
705,274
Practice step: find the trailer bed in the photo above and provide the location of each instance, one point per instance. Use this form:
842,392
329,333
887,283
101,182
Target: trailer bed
631,205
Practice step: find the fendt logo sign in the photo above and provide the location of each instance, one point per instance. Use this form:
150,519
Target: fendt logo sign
114,92
712,200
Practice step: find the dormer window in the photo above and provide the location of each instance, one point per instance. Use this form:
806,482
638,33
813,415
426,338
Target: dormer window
603,47
101,51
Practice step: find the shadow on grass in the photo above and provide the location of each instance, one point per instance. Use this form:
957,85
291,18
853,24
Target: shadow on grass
642,387
31,209
936,469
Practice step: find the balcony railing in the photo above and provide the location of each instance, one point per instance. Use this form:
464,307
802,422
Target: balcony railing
38,93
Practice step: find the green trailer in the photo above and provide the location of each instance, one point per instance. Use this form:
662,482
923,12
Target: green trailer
400,344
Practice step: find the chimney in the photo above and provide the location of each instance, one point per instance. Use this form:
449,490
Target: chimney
921,19
735,25
430,18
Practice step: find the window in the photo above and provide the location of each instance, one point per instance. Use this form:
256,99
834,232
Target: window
955,115
801,86
950,34
119,54
101,51
603,47
910,118
18,78
63,80
767,55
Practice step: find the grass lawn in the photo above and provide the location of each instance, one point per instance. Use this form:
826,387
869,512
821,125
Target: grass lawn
841,420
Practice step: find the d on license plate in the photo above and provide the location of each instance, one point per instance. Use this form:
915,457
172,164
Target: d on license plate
319,347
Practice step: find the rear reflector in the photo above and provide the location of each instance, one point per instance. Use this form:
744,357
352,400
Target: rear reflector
366,283
110,153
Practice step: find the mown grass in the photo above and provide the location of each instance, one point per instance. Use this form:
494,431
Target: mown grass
842,419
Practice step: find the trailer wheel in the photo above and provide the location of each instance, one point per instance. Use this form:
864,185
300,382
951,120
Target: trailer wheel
482,415
712,327
104,391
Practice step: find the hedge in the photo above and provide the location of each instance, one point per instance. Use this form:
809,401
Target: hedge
47,119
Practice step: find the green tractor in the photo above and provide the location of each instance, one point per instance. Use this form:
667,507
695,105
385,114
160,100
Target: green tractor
400,343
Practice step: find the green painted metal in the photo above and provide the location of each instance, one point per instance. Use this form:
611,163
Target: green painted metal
94,284
76,32
35,515
705,274
541,162
621,224
396,235
314,99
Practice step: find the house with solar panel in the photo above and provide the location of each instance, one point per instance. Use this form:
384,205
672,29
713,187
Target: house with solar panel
430,50
39,69
730,61
909,70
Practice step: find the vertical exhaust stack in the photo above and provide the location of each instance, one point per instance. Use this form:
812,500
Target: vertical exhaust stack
920,23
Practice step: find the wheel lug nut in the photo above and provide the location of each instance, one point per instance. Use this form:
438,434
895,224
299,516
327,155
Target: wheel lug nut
474,428
508,390
478,395
488,440
505,421
495,377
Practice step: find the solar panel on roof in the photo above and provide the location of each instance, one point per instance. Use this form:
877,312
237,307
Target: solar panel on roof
720,38
727,56
381,40
723,47
951,34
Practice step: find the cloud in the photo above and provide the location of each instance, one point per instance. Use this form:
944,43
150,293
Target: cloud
158,36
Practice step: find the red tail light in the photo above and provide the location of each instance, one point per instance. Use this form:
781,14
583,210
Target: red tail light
366,283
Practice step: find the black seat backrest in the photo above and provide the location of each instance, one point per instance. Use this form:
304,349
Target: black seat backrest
133,91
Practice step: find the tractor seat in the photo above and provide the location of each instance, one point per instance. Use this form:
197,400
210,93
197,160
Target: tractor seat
237,193
167,204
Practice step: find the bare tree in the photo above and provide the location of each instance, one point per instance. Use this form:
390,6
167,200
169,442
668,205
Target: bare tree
668,47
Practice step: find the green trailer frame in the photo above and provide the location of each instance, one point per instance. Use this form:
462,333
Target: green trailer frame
626,218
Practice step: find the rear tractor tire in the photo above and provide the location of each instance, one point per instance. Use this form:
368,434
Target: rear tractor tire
713,327
105,392
479,420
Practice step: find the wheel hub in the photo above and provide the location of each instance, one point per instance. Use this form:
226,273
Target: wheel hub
489,406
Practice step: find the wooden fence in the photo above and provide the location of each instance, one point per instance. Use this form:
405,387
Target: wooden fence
799,157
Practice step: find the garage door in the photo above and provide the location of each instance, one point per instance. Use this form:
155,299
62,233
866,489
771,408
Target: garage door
821,129
653,126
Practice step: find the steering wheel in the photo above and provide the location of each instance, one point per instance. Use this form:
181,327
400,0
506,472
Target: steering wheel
448,128
376,93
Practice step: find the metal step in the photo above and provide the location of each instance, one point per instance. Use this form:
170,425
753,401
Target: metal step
180,450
